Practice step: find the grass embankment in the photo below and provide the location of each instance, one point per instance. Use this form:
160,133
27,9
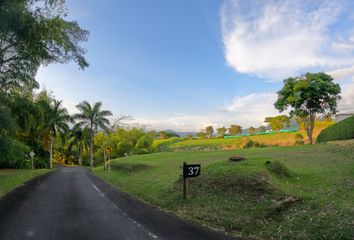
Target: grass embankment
307,195
340,131
277,139
12,178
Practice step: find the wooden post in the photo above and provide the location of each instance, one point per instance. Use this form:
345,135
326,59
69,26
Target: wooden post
184,183
109,162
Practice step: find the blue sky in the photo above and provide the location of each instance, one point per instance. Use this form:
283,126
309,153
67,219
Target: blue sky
185,64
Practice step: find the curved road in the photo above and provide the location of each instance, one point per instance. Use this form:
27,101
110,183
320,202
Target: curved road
71,203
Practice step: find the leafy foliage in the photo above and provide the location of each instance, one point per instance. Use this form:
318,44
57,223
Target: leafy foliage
13,153
221,132
93,118
209,130
166,134
252,130
252,144
129,142
34,34
307,96
278,122
234,130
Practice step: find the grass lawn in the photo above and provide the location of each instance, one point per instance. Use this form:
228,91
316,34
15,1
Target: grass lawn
247,198
12,178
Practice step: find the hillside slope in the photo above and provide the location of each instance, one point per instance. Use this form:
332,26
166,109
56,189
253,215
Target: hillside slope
305,193
342,130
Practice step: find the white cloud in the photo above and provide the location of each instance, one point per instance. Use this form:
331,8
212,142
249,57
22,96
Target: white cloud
346,104
250,110
342,73
276,39
255,106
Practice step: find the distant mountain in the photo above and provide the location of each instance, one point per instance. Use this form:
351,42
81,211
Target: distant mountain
181,134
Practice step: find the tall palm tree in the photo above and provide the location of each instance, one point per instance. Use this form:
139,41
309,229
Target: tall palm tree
77,138
93,118
56,119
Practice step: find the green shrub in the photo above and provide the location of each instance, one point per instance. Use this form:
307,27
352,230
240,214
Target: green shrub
143,146
340,131
299,136
85,162
299,139
40,163
278,169
13,153
251,144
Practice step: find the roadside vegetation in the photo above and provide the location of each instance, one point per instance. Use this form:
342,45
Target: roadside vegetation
301,192
12,178
33,34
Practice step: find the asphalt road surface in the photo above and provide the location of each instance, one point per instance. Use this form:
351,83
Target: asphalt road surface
71,203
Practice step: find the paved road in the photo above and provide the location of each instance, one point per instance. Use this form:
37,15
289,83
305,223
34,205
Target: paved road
73,204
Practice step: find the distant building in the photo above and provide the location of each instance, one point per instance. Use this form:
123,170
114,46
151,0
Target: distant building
342,116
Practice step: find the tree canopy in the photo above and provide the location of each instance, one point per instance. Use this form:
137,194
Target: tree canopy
221,131
32,33
209,130
93,118
234,130
307,96
278,122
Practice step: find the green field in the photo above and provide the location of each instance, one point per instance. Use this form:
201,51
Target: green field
276,139
12,178
247,198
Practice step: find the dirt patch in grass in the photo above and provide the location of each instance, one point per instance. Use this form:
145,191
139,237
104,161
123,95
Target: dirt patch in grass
130,167
255,186
283,204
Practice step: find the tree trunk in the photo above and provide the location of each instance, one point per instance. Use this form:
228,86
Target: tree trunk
80,153
309,125
104,152
91,145
91,151
51,153
312,127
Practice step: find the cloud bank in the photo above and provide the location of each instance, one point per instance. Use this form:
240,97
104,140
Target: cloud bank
247,111
277,39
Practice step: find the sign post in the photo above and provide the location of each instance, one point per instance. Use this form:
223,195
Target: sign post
189,171
32,154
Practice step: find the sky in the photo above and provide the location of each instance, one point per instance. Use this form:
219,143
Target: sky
186,64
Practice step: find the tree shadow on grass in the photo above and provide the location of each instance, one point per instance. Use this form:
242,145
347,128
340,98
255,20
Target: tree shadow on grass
130,167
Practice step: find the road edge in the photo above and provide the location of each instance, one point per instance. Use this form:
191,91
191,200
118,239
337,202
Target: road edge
146,211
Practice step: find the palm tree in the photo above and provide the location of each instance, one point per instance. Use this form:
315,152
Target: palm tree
77,136
92,118
56,119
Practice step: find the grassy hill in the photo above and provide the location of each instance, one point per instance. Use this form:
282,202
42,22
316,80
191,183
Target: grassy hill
305,192
340,131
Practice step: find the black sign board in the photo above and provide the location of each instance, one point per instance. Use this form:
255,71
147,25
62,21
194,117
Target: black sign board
191,170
